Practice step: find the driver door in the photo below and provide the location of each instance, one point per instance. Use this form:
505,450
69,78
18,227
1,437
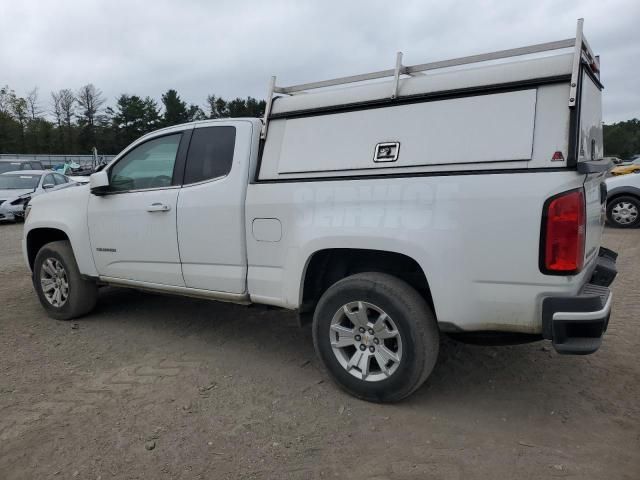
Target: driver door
132,226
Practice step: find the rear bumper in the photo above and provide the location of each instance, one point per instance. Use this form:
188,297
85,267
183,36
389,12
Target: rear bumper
576,324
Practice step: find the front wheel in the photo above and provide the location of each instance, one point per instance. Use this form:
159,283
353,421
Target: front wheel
62,291
376,336
624,212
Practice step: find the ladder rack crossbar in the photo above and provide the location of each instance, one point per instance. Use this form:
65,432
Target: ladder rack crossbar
409,70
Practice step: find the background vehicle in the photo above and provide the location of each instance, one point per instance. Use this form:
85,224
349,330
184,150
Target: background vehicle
18,188
627,167
378,210
623,200
614,160
13,165
75,170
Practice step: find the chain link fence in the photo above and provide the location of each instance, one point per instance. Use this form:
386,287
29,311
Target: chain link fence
52,160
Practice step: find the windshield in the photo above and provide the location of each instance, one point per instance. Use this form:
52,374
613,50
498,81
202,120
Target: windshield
9,166
19,182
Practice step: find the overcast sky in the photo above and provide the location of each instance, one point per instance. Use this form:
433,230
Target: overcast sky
231,48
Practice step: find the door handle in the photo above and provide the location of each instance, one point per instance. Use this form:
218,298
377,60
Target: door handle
158,207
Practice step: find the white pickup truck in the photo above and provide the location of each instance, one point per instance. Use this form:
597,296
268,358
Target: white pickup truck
463,196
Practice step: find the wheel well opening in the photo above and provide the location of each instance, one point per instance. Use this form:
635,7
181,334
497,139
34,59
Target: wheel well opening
39,237
615,196
326,267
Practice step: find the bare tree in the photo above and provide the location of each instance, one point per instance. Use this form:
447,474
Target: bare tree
63,104
5,99
56,108
211,106
67,105
20,113
90,100
33,104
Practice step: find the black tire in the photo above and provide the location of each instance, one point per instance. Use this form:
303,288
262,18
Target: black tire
82,293
616,202
415,323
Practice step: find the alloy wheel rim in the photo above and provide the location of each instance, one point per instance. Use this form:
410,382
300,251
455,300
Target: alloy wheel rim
54,282
624,213
366,341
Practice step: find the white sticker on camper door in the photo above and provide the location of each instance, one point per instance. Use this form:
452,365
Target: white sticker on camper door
387,152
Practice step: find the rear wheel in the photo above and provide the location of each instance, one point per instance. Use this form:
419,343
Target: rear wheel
624,212
376,336
62,291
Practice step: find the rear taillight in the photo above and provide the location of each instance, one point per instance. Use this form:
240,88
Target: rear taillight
563,234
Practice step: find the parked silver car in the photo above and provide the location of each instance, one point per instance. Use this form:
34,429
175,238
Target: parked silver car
13,164
19,187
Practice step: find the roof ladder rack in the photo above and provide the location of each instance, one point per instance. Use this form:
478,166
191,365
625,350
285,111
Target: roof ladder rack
579,43
581,49
267,109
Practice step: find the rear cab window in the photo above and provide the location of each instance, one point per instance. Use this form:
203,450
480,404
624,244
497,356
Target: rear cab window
48,180
210,154
60,179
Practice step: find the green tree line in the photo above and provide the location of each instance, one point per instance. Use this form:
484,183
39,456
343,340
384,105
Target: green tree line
622,139
74,121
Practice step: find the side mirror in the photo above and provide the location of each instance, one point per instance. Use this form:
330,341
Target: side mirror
99,182
47,186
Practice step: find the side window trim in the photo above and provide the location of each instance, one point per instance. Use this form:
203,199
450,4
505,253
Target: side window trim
180,157
207,180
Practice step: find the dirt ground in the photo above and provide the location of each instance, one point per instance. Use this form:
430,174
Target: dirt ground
152,386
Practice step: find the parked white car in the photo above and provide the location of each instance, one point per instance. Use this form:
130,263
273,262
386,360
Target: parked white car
18,188
614,160
14,164
623,200
463,201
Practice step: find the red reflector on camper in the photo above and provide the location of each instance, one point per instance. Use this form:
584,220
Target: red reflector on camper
557,157
563,234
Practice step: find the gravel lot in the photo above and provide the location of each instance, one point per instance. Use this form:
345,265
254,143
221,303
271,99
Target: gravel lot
151,386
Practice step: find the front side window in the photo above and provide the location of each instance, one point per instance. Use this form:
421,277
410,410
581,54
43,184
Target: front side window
149,165
210,153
